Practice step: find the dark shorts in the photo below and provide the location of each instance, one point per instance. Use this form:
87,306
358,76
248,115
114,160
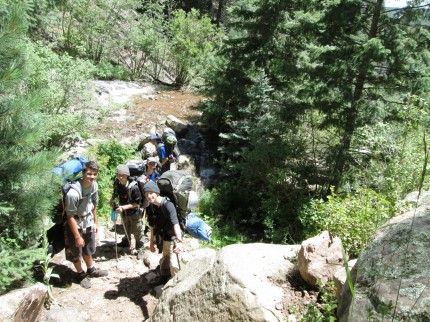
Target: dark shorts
73,253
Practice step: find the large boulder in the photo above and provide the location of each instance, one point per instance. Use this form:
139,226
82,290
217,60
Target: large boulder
319,258
23,304
392,273
176,125
231,285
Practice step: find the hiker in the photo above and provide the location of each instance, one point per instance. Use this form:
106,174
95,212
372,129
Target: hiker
128,193
161,150
167,226
197,228
152,169
81,210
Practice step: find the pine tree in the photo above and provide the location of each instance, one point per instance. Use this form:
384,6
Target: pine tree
332,66
26,189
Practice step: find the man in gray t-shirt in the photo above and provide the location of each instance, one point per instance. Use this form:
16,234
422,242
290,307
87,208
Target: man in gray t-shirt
81,227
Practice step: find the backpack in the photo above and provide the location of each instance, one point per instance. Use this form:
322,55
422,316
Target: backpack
177,185
55,234
137,176
68,171
148,150
136,167
70,168
170,142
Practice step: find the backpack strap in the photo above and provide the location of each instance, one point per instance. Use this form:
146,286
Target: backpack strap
65,190
131,184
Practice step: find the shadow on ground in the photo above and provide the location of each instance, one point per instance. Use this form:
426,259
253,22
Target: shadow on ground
135,288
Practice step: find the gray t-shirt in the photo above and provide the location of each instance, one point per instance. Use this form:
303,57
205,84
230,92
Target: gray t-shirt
80,203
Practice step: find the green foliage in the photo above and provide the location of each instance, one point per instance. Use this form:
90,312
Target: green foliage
65,125
47,270
212,204
348,272
26,192
194,41
16,262
352,218
108,71
63,77
326,310
108,156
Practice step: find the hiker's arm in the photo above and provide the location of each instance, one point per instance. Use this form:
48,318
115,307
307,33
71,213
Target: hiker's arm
79,241
151,240
178,234
96,228
163,162
121,209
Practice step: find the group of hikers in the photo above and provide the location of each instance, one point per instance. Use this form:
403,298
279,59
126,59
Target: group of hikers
130,201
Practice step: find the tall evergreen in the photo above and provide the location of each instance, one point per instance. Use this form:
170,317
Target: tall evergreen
330,67
26,190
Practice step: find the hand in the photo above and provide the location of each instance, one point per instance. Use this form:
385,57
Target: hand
79,242
96,228
152,247
177,248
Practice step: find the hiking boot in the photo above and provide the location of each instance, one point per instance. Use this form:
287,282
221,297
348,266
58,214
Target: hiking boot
123,244
97,272
85,283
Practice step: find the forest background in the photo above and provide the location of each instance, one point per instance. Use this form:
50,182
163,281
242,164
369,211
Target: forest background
319,110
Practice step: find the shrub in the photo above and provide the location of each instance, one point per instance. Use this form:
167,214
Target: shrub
353,218
107,71
108,156
16,262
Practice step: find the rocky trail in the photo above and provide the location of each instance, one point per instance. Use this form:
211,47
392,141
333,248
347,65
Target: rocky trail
130,292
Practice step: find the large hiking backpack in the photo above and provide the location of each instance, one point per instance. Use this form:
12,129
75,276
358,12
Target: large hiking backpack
177,185
136,167
69,171
170,142
148,150
138,176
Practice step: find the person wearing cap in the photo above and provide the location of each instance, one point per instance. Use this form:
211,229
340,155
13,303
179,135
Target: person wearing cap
161,151
152,169
129,196
167,226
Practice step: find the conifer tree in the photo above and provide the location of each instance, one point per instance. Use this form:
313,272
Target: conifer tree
26,190
331,66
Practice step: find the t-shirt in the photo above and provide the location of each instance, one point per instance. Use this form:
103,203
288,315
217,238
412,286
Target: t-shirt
80,202
165,218
135,196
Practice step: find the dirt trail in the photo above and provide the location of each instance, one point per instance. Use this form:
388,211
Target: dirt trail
125,294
